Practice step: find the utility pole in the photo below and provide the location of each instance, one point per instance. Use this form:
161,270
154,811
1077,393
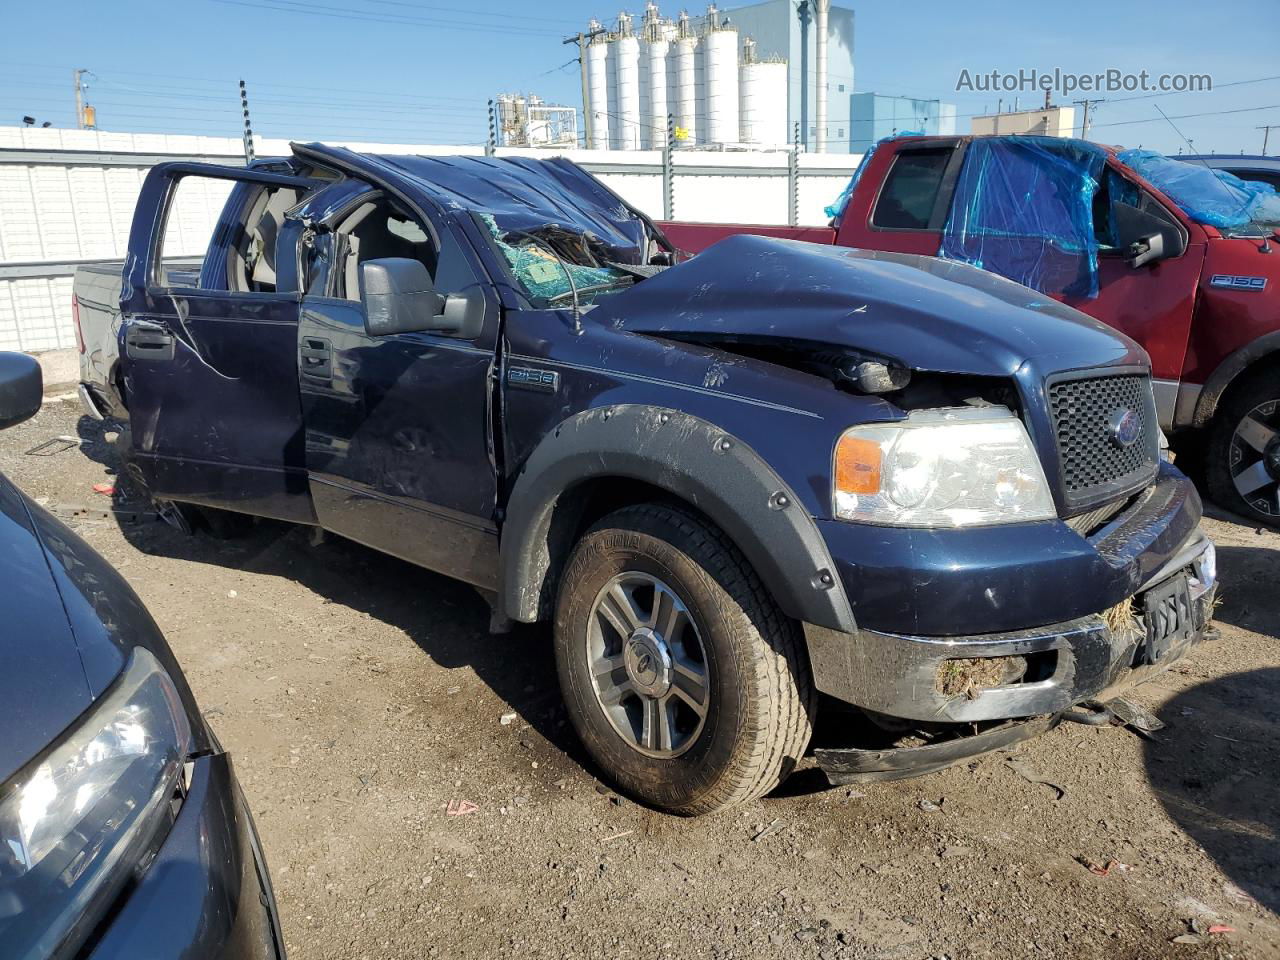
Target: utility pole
1266,135
582,39
79,98
86,116
491,145
1084,121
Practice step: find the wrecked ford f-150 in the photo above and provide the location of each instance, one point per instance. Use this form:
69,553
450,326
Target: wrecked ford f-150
730,484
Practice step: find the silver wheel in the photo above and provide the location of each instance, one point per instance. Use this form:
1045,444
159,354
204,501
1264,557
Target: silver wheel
1254,458
647,665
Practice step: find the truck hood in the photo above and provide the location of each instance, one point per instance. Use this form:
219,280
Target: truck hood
921,312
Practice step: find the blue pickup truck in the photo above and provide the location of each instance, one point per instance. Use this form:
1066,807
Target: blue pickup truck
731,483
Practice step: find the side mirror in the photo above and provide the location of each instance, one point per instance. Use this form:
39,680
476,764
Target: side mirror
21,388
1145,237
1146,249
399,297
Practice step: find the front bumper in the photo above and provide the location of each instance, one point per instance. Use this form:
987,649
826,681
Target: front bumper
1058,665
957,582
207,893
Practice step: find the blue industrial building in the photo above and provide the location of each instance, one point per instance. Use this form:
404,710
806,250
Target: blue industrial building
874,117
785,28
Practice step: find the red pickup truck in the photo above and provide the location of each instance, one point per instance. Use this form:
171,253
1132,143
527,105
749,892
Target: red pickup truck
1181,259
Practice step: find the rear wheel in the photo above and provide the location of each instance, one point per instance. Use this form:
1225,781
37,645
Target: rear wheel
1243,466
685,682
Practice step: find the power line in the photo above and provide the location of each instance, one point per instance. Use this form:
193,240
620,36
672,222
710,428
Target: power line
1187,116
341,13
473,12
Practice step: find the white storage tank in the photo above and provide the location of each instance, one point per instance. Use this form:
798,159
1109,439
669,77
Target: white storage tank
684,63
720,64
598,90
764,102
655,83
626,63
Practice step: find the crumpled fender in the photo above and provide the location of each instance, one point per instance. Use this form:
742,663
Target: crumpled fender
694,460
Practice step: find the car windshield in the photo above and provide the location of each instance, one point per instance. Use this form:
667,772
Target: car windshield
1214,197
553,264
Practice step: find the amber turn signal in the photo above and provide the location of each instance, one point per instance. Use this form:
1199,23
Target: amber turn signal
857,465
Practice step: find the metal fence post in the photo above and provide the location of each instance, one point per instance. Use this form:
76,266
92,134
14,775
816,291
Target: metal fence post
793,180
491,145
668,173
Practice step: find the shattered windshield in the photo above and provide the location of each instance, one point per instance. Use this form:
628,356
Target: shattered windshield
551,264
1213,197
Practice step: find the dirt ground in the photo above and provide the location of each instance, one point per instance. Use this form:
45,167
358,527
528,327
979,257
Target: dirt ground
360,696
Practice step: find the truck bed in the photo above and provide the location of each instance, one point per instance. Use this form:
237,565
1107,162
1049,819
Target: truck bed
696,237
96,295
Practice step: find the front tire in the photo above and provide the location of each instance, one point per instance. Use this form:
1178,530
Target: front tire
1243,468
685,682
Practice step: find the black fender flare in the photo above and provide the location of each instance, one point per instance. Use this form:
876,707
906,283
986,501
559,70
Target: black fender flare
1228,370
694,460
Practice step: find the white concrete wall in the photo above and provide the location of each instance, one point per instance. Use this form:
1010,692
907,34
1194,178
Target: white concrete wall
55,214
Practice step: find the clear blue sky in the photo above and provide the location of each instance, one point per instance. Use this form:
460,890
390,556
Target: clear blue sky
405,71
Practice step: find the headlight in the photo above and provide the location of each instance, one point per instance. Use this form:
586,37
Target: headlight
956,467
76,822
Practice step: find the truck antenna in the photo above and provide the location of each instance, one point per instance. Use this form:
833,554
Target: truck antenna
1266,243
573,287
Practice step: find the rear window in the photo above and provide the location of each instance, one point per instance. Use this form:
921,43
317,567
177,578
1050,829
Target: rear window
1262,176
911,189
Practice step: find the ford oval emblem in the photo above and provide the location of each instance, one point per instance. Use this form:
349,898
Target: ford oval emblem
1126,425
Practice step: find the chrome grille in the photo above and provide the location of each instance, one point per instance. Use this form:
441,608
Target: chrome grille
1095,464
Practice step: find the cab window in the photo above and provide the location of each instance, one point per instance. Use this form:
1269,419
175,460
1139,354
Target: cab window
910,190
378,229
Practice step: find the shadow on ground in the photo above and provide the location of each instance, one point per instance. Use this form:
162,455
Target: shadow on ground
446,619
1216,767
1215,770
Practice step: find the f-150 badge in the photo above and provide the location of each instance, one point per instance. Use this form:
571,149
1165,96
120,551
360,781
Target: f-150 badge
547,381
1225,280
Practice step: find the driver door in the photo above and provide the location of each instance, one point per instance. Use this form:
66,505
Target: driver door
398,428
1154,303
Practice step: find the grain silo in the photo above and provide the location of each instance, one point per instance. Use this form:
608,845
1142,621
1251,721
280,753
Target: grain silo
684,80
625,125
763,99
598,88
720,69
654,84
687,70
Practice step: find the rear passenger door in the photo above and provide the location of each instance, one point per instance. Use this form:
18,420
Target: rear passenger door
208,361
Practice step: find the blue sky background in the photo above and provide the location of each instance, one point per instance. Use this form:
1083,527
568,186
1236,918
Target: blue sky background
404,71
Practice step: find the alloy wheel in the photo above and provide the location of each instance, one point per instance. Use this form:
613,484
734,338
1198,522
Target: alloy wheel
1254,458
648,665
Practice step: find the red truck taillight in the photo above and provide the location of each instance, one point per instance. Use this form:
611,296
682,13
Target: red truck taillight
75,318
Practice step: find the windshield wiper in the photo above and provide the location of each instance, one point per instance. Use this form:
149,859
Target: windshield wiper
593,288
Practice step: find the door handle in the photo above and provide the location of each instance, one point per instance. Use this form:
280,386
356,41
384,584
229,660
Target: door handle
148,341
317,358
